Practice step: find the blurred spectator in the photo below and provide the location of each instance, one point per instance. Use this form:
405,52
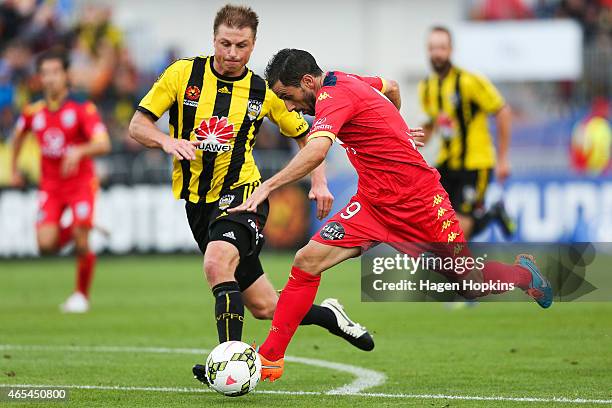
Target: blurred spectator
98,44
501,10
14,74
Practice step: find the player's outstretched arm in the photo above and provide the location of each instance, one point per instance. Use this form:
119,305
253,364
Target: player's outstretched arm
504,120
18,138
318,186
143,130
98,145
309,158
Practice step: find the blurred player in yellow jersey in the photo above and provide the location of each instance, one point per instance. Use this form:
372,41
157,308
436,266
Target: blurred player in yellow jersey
216,106
458,104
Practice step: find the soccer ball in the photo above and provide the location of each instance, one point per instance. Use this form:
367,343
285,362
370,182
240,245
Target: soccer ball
233,368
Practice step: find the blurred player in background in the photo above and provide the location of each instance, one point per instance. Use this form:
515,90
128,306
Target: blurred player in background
399,198
70,133
216,107
458,104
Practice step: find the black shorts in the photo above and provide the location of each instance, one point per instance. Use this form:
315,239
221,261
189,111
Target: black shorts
466,188
210,222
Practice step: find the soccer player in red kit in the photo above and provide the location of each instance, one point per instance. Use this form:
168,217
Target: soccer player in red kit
69,133
399,197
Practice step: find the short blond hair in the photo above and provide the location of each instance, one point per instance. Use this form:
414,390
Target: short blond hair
236,17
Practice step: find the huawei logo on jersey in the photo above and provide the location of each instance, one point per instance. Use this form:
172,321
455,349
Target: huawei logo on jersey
215,134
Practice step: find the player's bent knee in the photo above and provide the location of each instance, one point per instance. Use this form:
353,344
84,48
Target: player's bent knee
263,312
308,260
47,245
220,261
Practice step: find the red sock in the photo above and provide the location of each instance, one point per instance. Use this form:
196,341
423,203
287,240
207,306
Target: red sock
295,300
85,271
497,271
65,235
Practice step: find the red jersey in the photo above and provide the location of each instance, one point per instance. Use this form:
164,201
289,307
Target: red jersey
353,110
74,123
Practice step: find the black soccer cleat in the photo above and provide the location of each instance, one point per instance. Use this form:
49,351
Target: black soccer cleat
352,332
199,373
498,212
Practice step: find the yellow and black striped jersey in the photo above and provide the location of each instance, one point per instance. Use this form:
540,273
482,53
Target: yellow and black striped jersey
458,107
224,113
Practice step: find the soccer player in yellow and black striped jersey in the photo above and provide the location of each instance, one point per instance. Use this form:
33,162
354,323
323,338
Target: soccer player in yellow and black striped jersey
216,106
458,104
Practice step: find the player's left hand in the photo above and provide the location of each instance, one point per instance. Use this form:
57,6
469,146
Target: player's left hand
502,170
324,199
250,205
70,162
418,134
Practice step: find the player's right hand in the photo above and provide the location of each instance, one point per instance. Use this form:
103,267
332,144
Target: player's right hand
180,148
17,179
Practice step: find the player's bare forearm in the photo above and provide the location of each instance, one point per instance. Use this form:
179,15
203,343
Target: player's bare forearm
318,187
307,159
317,177
18,139
143,130
392,92
504,124
99,145
311,156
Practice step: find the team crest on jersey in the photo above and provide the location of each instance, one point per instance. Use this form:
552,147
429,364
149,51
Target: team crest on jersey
192,96
39,122
226,201
68,118
254,109
215,135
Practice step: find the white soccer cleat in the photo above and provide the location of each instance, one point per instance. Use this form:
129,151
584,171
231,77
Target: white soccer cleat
351,331
76,303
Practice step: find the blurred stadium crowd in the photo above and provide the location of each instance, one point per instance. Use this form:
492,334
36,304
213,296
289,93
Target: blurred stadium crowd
104,70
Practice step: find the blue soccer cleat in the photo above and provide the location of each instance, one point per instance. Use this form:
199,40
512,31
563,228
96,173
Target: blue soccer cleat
539,288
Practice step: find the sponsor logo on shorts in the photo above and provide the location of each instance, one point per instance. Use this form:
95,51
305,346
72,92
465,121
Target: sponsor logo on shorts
253,225
230,235
82,210
225,201
332,231
469,194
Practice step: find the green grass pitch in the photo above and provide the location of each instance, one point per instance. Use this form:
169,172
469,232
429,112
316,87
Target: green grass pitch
509,350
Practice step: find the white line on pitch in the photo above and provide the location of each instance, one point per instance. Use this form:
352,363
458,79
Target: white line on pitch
365,378
352,394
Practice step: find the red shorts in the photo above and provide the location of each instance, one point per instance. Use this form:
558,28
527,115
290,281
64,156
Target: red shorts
426,218
79,197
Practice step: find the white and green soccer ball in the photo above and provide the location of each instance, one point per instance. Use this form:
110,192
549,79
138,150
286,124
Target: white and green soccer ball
233,368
